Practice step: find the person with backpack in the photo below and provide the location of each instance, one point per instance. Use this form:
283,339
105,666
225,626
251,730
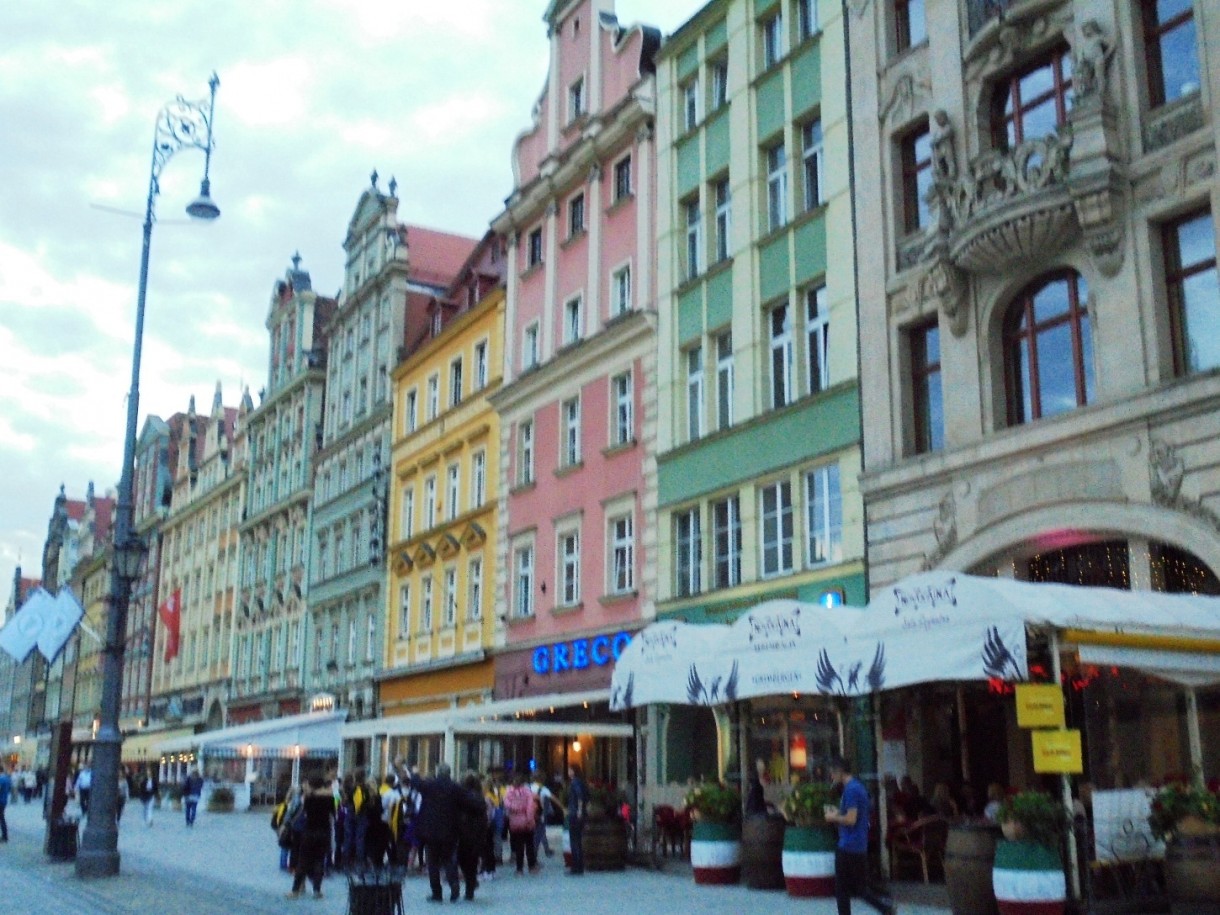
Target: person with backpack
547,802
521,805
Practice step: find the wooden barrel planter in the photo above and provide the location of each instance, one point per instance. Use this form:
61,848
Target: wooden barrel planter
762,852
1192,874
1028,879
715,853
605,844
809,860
969,859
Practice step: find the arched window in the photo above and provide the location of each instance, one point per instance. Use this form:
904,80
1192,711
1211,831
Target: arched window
1034,101
1048,349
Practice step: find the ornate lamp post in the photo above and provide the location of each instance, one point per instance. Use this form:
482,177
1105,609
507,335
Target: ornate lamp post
180,124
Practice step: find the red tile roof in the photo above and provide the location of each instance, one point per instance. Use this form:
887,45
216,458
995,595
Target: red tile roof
436,257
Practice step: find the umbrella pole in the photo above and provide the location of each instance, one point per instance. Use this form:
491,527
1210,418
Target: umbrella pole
1192,733
1065,781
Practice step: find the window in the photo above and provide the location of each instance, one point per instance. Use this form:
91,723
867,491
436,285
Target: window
436,322
777,186
1033,102
480,365
318,651
622,179
817,339
926,392
450,597
525,452
404,610
408,512
430,503
1170,50
782,390
370,638
772,40
425,604
351,640
910,23
569,568
624,409
694,238
434,398
576,100
807,18
620,291
576,216
571,320
1048,349
916,154
776,518
690,104
812,163
824,502
726,542
721,194
571,432
523,591
689,559
478,479
410,415
694,393
720,83
474,588
1193,292
452,485
724,380
455,382
529,347
534,248
622,554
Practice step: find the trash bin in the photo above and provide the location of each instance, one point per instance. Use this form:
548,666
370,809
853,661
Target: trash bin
374,891
61,839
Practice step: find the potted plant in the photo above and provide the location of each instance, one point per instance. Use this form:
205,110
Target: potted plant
1028,872
221,799
715,848
605,839
809,841
1187,819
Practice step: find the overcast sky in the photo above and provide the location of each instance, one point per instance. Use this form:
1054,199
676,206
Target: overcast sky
314,95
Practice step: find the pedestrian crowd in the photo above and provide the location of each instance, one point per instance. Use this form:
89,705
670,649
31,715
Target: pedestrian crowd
454,829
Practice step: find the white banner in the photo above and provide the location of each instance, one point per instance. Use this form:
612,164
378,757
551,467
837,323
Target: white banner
44,621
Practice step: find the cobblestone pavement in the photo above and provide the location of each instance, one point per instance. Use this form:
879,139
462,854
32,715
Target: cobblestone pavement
229,863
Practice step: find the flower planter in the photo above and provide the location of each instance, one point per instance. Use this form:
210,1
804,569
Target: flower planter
715,853
1192,873
1028,879
969,860
809,860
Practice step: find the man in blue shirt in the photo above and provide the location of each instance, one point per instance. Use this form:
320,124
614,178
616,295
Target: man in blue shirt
6,788
851,852
578,811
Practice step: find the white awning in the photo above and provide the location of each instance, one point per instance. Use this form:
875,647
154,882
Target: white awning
309,733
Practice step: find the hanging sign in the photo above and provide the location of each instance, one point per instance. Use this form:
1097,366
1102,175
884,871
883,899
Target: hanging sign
1057,752
1039,705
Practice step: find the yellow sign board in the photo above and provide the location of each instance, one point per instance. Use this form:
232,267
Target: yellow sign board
1057,752
1039,705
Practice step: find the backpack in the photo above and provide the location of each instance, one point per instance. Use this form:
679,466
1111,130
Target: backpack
522,808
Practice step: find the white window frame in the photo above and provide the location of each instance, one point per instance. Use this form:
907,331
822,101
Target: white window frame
573,319
725,379
773,44
695,407
474,589
577,103
425,604
480,365
523,581
567,551
727,544
720,83
622,179
688,553
429,502
690,104
576,215
777,186
455,382
570,416
620,534
781,354
623,400
404,609
823,515
694,238
478,479
723,196
620,290
534,254
807,19
351,640
410,417
529,346
370,638
817,338
780,514
525,452
451,600
453,490
813,162
407,516
433,406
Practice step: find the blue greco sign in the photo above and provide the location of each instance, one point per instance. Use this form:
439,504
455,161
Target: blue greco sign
579,654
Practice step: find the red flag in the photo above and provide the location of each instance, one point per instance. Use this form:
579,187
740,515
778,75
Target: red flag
171,615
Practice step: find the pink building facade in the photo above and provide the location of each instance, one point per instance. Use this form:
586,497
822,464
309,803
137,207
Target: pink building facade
578,405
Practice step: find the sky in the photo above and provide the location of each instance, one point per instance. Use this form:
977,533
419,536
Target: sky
314,95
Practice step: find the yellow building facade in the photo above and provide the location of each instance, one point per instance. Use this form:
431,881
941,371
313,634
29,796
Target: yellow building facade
445,462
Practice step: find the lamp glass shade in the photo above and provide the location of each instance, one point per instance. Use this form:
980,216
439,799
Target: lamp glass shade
129,557
203,207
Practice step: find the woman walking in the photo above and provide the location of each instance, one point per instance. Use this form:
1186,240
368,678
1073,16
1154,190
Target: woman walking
319,808
522,808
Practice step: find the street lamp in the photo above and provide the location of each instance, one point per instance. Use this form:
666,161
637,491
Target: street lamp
180,124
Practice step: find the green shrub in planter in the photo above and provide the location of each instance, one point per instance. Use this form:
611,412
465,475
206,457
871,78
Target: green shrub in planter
221,800
805,805
1042,819
713,802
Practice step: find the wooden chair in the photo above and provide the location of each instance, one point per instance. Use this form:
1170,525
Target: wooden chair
671,829
924,840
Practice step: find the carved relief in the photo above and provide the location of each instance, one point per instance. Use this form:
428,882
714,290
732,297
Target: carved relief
945,284
944,528
1091,56
906,97
1172,123
1011,40
1166,470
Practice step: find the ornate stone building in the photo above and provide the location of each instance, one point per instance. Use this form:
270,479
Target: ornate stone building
279,439
392,272
1040,317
